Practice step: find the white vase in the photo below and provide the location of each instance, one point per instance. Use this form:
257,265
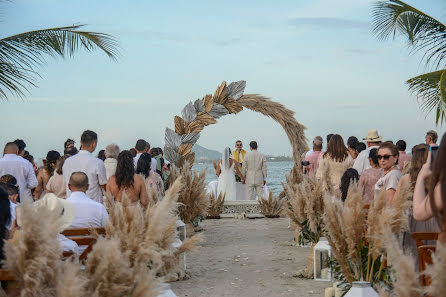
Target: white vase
361,289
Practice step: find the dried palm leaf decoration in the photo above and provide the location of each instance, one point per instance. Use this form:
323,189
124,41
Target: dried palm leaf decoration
227,99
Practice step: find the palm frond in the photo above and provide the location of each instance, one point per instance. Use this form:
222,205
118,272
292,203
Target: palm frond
423,32
430,88
20,53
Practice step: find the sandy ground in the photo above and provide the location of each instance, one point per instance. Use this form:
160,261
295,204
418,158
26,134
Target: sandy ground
247,258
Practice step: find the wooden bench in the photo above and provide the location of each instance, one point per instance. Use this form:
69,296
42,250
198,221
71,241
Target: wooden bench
424,252
84,237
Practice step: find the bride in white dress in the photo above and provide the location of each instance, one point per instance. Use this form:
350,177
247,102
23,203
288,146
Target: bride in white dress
226,176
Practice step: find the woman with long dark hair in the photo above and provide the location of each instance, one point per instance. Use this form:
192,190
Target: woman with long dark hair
127,181
152,180
336,160
432,203
44,175
56,183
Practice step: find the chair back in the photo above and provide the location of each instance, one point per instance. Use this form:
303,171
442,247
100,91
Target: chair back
84,237
419,237
425,258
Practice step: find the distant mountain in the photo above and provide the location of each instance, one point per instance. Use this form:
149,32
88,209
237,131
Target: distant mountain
204,154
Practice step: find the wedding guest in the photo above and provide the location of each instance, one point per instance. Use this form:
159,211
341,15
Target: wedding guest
403,157
370,176
350,175
388,160
84,161
336,159
127,181
360,146
373,140
46,173
432,203
56,183
21,169
143,146
101,155
21,145
317,138
151,180
133,152
352,142
111,159
313,158
5,221
329,137
87,212
9,184
431,137
71,151
69,143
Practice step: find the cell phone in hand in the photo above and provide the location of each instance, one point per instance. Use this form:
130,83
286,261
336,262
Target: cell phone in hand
433,149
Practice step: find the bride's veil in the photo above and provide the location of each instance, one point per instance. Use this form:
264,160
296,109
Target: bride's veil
225,158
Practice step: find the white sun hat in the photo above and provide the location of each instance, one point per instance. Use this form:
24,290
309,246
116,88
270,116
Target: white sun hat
373,136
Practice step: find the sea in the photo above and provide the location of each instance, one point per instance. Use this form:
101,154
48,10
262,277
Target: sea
276,174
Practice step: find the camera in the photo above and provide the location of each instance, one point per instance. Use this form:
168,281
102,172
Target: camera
305,163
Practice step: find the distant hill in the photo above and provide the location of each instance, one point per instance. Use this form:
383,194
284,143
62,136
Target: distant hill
203,154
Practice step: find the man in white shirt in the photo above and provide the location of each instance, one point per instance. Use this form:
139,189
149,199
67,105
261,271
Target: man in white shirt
143,146
21,169
87,213
84,161
362,161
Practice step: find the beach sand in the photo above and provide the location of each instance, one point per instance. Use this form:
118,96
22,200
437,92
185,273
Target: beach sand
247,258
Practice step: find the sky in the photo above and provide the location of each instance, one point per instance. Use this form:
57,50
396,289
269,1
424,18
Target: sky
319,58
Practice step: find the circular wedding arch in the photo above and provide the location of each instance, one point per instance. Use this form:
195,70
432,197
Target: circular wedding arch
227,99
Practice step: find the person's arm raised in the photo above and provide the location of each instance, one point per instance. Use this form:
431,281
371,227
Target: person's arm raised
422,209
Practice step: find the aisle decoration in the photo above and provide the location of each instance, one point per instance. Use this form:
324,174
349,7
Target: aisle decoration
215,205
272,207
227,99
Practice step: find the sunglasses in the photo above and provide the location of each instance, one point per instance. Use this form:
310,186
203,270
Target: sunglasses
385,157
238,144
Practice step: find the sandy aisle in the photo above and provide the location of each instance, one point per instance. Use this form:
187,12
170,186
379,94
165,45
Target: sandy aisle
247,258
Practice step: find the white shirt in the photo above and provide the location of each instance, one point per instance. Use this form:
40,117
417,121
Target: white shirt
93,167
87,213
68,245
23,171
12,207
110,167
362,161
152,164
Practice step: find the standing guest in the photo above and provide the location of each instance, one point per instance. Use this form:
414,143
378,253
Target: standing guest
352,142
21,145
433,203
350,175
143,146
329,136
111,159
101,155
403,157
87,212
21,169
70,151
151,180
127,181
84,161
370,176
9,184
431,137
336,159
238,155
388,160
56,183
30,159
5,221
133,152
373,140
317,138
419,157
313,158
44,175
68,143
360,146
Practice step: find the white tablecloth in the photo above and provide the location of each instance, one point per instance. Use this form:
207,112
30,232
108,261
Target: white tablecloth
241,190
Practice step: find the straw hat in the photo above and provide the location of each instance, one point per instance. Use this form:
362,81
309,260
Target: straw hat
54,204
372,136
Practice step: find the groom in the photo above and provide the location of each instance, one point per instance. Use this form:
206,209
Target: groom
254,171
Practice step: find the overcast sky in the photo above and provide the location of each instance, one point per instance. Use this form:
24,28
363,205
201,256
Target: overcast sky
318,58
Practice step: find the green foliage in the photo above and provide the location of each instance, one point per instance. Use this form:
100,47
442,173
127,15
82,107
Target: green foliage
424,34
20,54
307,235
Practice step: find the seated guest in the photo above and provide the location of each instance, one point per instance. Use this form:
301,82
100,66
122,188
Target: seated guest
152,180
313,158
9,184
388,160
56,183
350,175
5,221
127,181
404,158
111,159
87,212
46,173
370,176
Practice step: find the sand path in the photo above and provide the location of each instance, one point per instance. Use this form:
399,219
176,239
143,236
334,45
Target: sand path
247,258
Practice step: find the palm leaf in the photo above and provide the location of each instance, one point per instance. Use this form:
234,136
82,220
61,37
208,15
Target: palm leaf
424,33
21,53
431,89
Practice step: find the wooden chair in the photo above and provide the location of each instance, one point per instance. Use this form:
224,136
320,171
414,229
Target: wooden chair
424,251
83,237
6,275
420,236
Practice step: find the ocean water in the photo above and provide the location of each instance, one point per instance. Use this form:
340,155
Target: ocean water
276,174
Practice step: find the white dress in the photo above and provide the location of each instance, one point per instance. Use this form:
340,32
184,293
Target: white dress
226,180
